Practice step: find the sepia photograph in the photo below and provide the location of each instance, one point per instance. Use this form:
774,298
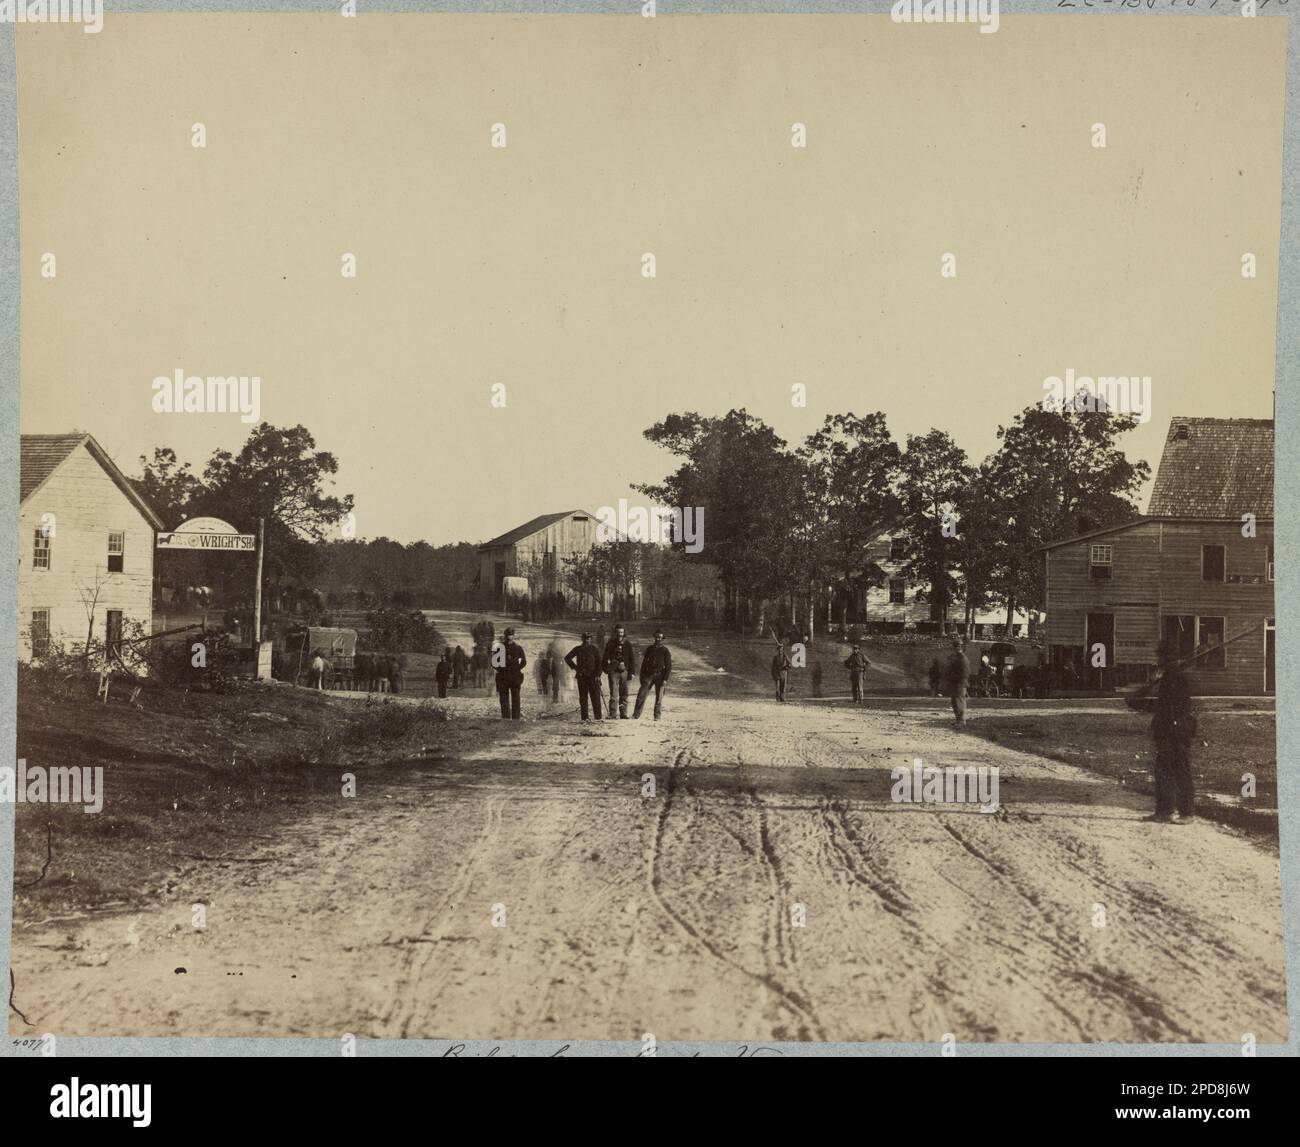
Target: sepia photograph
653,528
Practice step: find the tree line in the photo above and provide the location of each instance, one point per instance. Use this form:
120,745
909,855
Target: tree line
787,526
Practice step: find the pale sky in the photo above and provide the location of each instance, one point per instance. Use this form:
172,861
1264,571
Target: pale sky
775,265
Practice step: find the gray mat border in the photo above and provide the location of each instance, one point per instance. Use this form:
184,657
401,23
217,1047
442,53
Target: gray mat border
1287,491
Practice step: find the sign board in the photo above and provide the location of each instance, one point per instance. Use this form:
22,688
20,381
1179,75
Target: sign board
206,534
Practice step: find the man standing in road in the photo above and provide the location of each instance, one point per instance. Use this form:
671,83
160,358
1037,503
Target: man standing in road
510,661
584,660
1173,725
780,669
856,664
957,674
656,665
619,663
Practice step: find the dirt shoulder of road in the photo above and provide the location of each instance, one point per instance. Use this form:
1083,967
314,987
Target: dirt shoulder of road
190,776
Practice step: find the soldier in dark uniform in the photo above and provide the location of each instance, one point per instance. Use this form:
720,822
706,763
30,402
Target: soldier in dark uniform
656,665
618,663
459,663
856,663
584,660
957,679
936,677
442,671
510,676
1173,725
780,670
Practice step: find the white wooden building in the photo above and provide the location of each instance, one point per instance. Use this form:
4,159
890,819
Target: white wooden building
86,546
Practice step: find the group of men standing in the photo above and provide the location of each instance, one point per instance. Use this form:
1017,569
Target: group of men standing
616,664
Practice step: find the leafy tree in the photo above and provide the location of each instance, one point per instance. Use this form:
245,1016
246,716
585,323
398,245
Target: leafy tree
1055,474
934,472
851,472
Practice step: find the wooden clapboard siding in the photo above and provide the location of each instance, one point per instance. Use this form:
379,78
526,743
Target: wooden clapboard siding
560,535
1156,573
87,504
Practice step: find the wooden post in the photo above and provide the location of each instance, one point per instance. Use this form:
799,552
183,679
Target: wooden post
257,600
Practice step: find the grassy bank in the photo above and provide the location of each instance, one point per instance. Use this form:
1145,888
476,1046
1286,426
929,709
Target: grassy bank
189,776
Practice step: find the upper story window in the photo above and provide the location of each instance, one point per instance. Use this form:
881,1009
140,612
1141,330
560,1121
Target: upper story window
116,550
1101,561
41,549
897,548
1214,563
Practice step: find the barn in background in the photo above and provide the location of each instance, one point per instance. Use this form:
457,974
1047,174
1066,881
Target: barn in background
86,546
1197,570
537,551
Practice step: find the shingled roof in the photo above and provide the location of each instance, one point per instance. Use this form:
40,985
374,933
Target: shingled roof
1215,468
39,455
528,529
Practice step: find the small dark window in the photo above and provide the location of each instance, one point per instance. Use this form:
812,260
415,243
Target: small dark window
1209,643
897,591
40,634
897,548
116,550
1214,562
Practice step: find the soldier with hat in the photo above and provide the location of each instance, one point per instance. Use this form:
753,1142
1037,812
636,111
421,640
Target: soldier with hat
510,661
584,660
656,665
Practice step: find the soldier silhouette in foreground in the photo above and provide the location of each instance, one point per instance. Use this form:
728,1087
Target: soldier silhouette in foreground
1173,725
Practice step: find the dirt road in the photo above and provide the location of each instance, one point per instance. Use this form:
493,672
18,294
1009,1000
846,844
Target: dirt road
768,889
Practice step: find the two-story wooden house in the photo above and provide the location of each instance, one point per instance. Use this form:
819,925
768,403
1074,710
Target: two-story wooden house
85,546
1196,571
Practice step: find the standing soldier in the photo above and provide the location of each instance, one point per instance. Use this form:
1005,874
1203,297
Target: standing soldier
780,669
441,672
957,673
459,663
936,677
856,663
619,663
1173,725
817,678
510,675
584,660
656,665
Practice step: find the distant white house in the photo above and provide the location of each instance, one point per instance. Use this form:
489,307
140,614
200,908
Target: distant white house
901,600
86,546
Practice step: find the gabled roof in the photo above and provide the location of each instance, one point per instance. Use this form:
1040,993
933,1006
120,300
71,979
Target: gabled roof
40,455
528,529
1215,468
